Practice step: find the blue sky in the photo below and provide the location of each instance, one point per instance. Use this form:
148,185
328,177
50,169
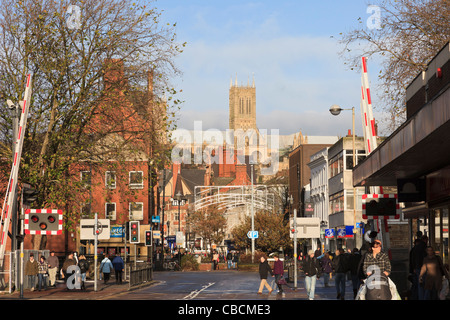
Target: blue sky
289,46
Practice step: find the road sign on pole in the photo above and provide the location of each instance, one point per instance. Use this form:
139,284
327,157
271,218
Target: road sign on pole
88,228
252,234
306,228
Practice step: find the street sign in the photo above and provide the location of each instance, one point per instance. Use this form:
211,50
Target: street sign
87,229
329,233
253,235
306,228
377,206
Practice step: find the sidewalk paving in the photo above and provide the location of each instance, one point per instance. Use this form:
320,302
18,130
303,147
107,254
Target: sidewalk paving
60,292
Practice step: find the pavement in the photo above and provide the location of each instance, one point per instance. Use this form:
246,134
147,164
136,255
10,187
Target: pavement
60,292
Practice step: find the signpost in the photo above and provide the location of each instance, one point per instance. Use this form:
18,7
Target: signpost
252,234
88,228
306,228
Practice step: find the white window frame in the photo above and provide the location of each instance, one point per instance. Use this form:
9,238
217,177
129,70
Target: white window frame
110,216
111,185
139,185
89,183
138,216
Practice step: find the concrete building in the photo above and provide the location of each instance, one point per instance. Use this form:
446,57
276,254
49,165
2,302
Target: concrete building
415,160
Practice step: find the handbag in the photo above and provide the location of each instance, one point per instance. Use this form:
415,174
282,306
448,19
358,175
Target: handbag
282,281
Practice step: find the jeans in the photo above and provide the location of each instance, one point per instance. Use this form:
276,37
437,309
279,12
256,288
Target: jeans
310,284
340,284
32,280
277,278
42,281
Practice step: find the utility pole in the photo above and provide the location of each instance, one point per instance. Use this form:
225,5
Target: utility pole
95,252
295,249
253,220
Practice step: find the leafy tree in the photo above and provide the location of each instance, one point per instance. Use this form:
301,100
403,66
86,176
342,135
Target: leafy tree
273,232
79,111
210,224
409,34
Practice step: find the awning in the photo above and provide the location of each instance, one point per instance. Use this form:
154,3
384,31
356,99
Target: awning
419,147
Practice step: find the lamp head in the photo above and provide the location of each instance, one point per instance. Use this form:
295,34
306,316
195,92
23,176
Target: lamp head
335,110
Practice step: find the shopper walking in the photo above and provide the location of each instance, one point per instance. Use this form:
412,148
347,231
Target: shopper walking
264,270
313,271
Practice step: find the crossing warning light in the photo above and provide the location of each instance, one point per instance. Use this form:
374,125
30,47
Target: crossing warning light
43,221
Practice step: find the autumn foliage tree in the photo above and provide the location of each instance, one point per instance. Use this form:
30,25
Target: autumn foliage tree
209,224
273,232
67,46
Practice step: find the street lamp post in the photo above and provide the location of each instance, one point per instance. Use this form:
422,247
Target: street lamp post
336,110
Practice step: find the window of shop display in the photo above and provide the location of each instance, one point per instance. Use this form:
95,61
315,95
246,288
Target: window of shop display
337,202
441,233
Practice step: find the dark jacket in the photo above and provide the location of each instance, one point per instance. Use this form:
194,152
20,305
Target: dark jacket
340,263
355,259
83,264
278,267
311,267
118,263
264,270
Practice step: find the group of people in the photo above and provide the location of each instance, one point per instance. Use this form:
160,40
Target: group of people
41,270
354,264
277,273
45,270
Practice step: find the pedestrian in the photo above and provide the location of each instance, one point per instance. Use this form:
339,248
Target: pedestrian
313,271
340,268
327,268
119,267
433,270
377,261
236,259
31,271
355,258
53,265
42,273
416,256
70,261
215,260
105,268
278,271
264,270
229,259
83,264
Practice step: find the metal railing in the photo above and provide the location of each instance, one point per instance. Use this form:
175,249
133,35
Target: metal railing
140,275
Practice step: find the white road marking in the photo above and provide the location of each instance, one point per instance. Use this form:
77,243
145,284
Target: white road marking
195,293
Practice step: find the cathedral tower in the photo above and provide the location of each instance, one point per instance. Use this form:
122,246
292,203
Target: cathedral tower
242,106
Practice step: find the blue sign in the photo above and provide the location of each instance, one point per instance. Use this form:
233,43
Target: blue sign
156,219
345,233
116,232
329,233
252,234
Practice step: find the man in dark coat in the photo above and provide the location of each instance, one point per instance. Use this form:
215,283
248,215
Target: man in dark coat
264,270
313,271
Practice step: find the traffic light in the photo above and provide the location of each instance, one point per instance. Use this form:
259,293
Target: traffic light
148,238
43,221
134,231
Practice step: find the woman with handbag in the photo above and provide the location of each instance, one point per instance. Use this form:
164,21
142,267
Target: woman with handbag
278,271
